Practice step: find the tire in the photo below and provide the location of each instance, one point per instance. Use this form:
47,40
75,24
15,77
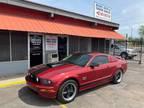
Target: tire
118,77
130,58
124,55
65,94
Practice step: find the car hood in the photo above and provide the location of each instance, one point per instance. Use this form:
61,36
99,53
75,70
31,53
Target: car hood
130,49
50,70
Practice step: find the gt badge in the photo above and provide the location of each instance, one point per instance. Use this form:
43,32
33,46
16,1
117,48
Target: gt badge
84,78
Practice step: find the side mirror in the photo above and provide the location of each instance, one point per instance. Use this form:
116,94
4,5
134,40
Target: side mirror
94,65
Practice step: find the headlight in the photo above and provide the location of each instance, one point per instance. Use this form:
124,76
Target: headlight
45,82
37,79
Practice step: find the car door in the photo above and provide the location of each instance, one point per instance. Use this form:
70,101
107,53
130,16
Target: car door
101,67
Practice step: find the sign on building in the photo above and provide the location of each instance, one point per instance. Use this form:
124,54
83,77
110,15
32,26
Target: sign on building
102,12
51,43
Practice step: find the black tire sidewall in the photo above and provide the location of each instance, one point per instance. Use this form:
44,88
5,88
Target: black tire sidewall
124,53
115,81
59,95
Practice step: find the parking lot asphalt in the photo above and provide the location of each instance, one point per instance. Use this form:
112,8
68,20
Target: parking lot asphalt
128,94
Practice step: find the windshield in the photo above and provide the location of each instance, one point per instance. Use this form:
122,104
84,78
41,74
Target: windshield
122,47
78,59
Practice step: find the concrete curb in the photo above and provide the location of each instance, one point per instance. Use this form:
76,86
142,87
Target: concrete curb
11,82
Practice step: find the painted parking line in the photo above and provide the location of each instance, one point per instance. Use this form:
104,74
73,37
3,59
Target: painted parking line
61,105
12,82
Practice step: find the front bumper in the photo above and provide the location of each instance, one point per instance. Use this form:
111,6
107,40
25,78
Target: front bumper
43,91
132,54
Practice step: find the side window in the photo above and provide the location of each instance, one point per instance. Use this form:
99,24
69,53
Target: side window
100,60
116,47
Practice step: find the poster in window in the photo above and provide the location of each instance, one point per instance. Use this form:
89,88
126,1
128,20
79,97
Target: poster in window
51,43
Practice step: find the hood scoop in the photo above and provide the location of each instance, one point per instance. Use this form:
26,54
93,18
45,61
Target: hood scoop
52,65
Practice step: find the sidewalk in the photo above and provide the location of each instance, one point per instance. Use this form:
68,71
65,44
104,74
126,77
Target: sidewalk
11,82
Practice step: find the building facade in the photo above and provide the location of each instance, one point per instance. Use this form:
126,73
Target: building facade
33,34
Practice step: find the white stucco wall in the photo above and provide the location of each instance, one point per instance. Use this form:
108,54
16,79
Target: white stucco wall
13,68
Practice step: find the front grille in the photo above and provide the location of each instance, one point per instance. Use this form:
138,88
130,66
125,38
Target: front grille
32,78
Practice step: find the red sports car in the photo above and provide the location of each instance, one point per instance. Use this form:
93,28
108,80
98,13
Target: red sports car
63,80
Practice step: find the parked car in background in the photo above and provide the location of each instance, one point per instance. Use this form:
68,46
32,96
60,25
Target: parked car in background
63,80
124,52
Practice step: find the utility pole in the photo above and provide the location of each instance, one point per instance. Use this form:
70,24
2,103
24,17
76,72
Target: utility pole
141,51
131,31
126,41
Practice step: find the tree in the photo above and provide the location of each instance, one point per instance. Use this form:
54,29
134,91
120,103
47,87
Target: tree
141,31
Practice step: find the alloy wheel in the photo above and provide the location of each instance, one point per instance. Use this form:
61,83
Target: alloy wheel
119,76
69,91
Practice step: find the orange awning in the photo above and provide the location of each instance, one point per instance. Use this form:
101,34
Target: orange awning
41,25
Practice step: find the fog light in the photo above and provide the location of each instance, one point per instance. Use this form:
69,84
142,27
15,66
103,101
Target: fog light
43,90
46,90
37,79
46,82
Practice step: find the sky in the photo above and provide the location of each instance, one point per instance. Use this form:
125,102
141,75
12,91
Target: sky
128,13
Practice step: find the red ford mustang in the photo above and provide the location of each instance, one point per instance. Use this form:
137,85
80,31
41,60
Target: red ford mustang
63,80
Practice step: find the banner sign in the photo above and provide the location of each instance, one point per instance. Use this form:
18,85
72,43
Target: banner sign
102,12
51,43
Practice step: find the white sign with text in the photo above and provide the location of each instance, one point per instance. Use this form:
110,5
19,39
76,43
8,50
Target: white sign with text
102,12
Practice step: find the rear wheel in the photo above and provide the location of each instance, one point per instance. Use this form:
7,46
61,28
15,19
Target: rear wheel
68,91
124,55
118,77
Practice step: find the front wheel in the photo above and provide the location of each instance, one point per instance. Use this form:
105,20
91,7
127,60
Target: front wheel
118,77
68,91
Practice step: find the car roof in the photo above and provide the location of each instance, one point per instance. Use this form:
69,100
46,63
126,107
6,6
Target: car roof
91,53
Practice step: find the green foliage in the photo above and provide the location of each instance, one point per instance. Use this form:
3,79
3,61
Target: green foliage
131,41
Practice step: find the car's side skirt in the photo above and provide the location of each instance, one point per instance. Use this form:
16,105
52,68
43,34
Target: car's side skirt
94,84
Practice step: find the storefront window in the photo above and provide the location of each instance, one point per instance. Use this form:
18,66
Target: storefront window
73,44
102,45
95,44
4,46
19,46
84,43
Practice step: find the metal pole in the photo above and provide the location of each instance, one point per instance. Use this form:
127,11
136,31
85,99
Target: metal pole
141,41
114,47
131,31
10,42
126,41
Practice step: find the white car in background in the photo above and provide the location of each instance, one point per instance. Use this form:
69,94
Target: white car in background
124,52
